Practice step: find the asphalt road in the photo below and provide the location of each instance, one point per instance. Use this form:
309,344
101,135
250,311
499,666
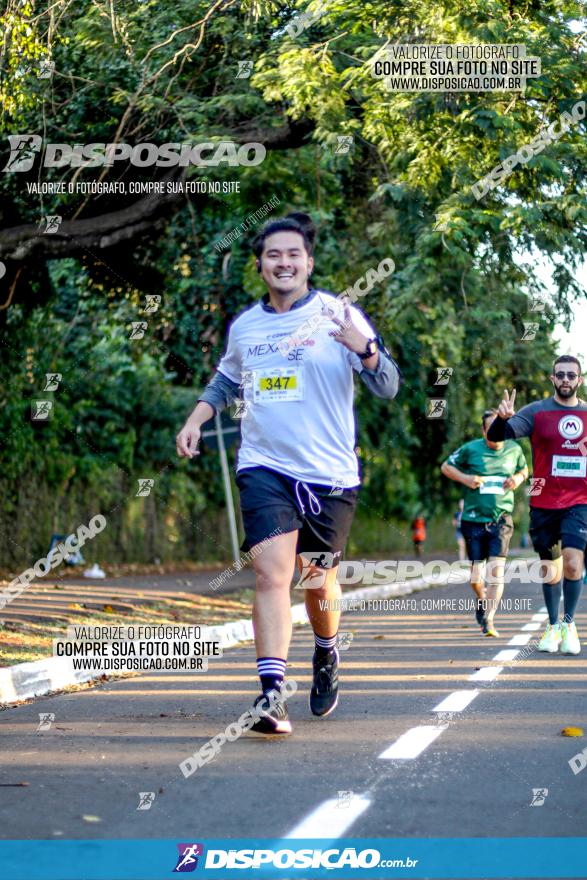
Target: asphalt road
476,778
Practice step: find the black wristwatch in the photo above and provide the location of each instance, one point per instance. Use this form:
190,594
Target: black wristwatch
370,350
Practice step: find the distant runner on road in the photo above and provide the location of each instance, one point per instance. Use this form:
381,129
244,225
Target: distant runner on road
490,471
291,357
418,534
557,428
456,521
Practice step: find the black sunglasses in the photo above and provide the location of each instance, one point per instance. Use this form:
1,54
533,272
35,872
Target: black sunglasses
570,374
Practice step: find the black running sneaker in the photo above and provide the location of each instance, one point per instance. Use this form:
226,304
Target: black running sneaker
274,718
324,693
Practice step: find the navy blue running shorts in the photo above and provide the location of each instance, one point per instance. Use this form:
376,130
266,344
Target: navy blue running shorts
483,540
552,529
273,503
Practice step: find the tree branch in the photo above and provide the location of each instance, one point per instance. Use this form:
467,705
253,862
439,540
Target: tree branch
75,236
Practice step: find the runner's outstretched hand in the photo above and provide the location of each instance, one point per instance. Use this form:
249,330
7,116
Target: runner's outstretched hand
187,441
506,408
347,334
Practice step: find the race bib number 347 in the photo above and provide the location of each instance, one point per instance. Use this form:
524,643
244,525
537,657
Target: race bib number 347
276,386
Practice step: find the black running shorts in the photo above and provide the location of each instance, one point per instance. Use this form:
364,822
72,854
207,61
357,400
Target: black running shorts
483,540
551,529
272,503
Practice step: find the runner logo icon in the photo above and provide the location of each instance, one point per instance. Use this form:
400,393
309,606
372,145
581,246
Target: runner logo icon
539,796
315,564
187,860
570,427
23,149
536,486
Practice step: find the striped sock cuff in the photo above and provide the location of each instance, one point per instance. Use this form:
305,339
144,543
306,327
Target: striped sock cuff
271,666
327,644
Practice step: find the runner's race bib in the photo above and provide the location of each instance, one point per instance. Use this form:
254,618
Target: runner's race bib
276,386
569,466
492,486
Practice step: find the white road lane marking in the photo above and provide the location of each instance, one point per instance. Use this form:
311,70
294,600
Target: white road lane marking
331,819
486,673
504,655
520,640
456,701
413,742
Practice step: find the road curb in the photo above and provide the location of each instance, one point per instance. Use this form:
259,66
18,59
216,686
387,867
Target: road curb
25,681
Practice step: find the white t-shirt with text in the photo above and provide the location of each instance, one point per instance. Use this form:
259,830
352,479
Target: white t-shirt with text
299,419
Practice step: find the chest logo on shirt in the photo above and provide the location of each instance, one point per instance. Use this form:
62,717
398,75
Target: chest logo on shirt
570,427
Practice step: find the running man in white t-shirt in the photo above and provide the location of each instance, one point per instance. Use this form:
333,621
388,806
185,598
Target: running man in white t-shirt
290,357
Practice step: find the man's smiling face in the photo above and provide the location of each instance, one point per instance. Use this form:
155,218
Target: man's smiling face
286,264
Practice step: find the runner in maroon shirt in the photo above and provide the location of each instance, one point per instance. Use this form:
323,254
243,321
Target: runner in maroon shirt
557,428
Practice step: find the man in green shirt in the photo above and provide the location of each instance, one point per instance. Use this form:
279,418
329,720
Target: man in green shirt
490,472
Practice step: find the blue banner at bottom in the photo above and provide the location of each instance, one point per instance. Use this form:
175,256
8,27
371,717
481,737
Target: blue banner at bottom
225,859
